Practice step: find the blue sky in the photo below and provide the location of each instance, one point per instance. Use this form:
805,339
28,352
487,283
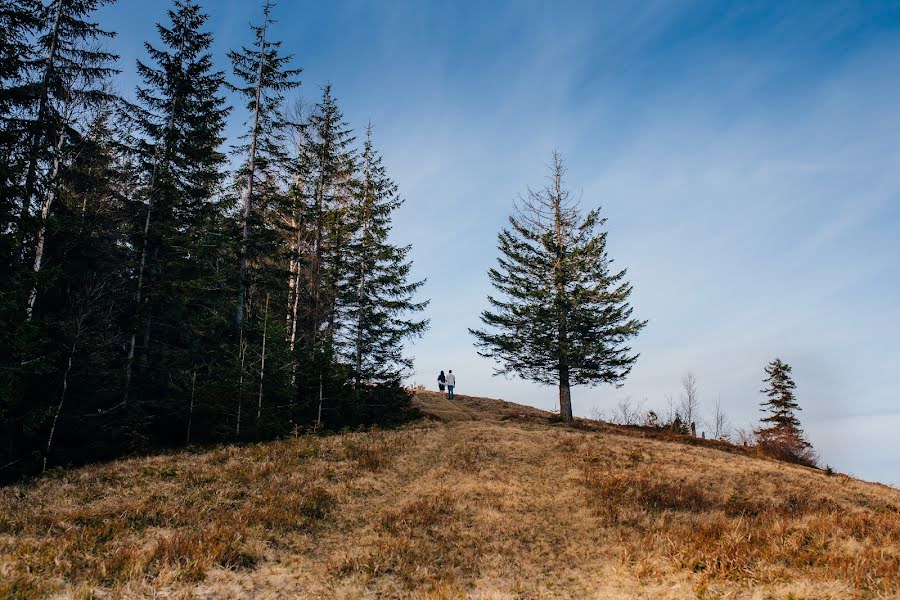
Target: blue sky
747,158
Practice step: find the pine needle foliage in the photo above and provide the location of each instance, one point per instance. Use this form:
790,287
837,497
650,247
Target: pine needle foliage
126,237
781,434
377,298
561,316
263,77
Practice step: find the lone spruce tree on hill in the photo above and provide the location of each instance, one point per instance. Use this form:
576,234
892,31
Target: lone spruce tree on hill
781,434
562,316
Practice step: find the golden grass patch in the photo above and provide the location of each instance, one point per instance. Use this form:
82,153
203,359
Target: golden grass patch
494,502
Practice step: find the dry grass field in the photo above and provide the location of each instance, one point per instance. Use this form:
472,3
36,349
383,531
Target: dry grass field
486,500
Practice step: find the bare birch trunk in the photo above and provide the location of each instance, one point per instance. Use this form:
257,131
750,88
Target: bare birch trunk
62,395
295,314
187,440
262,362
293,266
42,231
31,175
247,194
293,335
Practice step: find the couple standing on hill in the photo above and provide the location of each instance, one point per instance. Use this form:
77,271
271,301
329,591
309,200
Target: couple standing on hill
449,380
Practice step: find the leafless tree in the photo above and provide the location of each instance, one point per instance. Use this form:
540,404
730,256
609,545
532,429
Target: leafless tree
628,412
690,402
744,436
719,425
671,409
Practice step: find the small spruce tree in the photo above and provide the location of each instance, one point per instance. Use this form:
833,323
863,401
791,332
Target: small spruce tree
780,434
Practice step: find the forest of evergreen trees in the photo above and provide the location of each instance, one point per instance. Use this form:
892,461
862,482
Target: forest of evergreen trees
159,287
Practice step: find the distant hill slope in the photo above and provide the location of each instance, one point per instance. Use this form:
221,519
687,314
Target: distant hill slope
482,499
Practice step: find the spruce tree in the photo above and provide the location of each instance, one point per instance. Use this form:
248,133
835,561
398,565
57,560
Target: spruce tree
377,297
68,68
264,78
781,434
178,224
562,317
84,290
325,166
18,21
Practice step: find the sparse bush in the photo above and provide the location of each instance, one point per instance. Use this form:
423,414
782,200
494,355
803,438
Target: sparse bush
677,425
786,446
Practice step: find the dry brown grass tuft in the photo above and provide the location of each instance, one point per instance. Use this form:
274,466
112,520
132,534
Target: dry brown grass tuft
495,501
734,531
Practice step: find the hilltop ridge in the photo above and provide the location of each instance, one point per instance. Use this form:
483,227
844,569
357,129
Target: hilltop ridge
482,498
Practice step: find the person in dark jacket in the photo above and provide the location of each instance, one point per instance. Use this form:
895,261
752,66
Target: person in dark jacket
441,381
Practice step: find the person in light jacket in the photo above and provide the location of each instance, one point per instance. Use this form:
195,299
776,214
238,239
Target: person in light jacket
451,383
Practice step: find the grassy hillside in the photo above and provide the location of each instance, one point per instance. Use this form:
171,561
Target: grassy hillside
485,499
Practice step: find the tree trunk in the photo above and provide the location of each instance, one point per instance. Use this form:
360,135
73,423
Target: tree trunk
317,254
247,195
62,395
293,267
294,307
187,440
42,231
31,175
262,363
363,263
242,352
321,398
316,282
565,396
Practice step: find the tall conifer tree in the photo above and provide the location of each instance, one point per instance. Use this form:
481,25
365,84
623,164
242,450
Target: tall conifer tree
326,165
68,68
563,317
178,223
264,77
377,302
